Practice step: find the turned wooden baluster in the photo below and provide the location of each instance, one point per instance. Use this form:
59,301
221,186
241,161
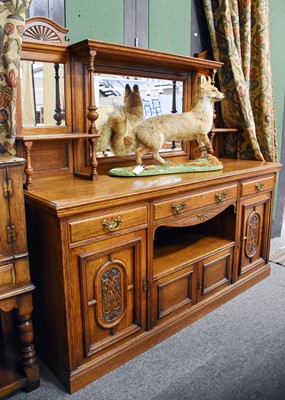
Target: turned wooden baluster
28,168
29,362
92,116
58,116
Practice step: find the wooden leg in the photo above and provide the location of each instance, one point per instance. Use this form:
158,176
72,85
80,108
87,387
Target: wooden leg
29,361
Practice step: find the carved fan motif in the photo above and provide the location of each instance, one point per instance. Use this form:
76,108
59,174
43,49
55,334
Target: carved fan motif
253,224
40,32
45,30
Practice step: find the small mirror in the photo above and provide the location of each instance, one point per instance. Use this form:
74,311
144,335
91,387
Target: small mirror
43,97
159,96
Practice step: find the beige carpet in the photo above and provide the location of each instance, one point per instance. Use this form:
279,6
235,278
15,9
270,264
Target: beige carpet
278,256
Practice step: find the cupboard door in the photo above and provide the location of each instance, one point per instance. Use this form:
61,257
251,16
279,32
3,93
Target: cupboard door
113,299
214,273
6,248
255,232
174,293
17,210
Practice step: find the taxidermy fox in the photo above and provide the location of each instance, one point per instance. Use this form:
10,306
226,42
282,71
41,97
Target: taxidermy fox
114,132
194,124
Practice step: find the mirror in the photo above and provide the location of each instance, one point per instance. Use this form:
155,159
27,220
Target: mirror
43,95
159,96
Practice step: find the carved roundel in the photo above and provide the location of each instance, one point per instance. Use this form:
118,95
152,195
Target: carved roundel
110,293
252,234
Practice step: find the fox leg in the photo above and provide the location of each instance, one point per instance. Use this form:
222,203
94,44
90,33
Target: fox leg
204,143
157,157
140,151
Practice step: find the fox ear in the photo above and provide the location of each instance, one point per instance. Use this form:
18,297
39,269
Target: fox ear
136,88
209,80
203,80
128,88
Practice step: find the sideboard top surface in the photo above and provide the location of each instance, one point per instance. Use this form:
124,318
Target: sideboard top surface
70,195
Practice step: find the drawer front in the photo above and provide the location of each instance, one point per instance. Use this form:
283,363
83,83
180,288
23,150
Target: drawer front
7,276
257,185
182,204
106,223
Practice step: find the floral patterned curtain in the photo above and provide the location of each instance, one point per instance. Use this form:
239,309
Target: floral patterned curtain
239,31
12,21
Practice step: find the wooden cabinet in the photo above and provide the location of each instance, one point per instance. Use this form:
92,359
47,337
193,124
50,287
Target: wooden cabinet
18,366
124,277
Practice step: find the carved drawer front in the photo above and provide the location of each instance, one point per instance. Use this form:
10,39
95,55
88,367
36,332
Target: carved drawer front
215,272
174,293
105,223
179,205
257,185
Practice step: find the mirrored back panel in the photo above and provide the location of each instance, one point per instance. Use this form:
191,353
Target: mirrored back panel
43,94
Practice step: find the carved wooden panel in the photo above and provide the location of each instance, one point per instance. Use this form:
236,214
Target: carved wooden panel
254,232
111,289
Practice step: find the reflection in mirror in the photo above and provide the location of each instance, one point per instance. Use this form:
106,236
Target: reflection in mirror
159,96
42,88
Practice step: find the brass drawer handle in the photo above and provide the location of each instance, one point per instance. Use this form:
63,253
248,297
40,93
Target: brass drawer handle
113,224
259,186
179,208
221,196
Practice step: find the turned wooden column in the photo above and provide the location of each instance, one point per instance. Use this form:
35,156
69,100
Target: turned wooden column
92,116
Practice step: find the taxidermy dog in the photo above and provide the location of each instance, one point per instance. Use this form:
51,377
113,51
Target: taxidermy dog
192,125
115,131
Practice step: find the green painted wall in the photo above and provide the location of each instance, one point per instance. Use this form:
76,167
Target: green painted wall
96,19
170,26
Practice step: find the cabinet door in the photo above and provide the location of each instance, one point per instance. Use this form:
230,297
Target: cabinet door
214,273
174,293
12,222
5,244
17,209
255,232
113,300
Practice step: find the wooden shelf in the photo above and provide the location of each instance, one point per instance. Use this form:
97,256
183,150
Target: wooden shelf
174,253
28,141
58,136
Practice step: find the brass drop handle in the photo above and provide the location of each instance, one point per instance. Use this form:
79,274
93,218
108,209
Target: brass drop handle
179,208
221,196
112,225
259,186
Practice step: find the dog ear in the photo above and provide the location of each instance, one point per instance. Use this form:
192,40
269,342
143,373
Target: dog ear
209,80
136,88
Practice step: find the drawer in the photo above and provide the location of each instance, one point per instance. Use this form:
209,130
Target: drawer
7,276
106,223
178,205
257,185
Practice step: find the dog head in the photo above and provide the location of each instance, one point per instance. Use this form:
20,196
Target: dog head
206,89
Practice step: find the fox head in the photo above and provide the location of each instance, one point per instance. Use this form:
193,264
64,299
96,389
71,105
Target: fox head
206,89
132,98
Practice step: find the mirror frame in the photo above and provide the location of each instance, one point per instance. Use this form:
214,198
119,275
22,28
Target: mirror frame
44,41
